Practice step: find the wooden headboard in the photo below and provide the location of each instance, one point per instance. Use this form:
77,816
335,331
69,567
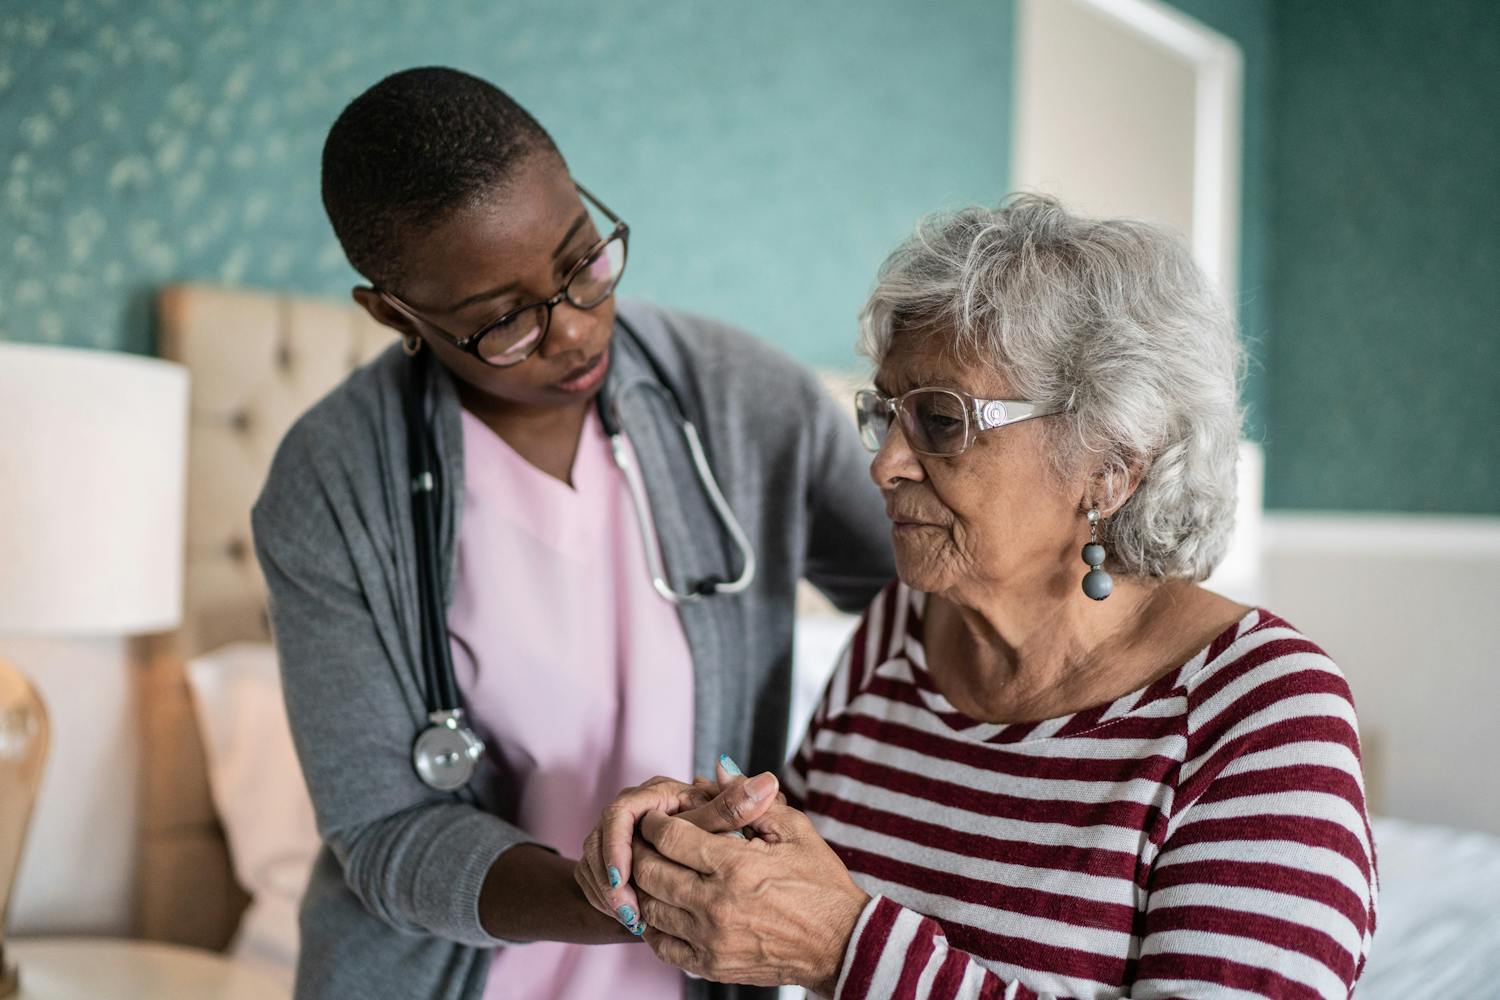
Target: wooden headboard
257,361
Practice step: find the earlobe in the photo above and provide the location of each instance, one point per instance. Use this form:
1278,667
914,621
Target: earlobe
1106,501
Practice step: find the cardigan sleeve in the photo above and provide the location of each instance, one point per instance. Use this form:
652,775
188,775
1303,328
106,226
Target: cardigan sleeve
416,858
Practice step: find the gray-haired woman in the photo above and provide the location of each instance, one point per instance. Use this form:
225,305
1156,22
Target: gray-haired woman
1035,775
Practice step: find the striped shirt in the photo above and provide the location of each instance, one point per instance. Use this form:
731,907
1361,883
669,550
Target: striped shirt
1203,837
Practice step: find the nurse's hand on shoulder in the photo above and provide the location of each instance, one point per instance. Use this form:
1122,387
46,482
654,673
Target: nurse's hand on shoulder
604,867
776,909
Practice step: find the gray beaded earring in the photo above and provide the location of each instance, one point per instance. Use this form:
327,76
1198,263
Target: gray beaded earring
1096,583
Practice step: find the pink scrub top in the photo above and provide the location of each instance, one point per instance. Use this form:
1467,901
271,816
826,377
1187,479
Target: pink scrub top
574,672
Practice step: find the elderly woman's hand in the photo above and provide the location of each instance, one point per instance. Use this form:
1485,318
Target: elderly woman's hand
773,910
604,871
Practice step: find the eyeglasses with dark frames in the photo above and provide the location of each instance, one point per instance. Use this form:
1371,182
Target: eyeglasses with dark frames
519,333
938,422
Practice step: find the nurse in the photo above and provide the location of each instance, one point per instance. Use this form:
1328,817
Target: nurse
496,271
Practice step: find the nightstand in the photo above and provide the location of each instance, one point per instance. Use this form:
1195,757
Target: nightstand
118,969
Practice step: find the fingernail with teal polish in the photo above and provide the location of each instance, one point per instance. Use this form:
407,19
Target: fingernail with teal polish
730,767
614,877
639,929
627,916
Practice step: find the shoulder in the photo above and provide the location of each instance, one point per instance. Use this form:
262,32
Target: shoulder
696,339
338,438
719,361
1262,663
1266,687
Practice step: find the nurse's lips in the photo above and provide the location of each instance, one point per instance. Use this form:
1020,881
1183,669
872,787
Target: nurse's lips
586,376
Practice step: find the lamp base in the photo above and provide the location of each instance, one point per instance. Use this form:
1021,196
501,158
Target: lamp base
23,751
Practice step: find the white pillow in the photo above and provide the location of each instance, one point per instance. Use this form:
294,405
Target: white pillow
259,793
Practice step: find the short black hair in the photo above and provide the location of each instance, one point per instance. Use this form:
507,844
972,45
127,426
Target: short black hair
410,150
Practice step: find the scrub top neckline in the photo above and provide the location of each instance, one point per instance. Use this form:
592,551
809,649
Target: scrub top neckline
562,517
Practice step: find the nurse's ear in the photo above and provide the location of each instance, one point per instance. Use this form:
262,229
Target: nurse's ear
382,312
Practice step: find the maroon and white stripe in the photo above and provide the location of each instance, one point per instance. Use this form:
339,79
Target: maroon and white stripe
1205,837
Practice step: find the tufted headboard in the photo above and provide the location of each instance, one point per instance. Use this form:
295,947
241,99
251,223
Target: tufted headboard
257,360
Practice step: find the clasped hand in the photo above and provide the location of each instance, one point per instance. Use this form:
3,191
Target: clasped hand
774,907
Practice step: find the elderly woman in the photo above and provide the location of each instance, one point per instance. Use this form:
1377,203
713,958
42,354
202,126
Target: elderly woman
1035,775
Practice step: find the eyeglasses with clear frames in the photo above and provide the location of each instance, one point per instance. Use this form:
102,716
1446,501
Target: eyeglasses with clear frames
938,422
518,334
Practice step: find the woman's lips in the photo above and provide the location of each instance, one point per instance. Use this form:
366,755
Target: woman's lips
588,377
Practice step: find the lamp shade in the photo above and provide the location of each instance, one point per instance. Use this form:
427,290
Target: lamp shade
92,462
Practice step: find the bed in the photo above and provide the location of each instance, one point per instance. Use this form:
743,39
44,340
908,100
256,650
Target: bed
259,359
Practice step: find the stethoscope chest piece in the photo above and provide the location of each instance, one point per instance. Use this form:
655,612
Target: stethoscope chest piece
446,752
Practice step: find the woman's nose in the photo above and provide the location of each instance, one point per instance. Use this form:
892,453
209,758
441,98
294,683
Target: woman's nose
895,461
571,328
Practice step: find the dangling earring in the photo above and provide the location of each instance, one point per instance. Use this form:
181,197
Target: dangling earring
411,344
1096,583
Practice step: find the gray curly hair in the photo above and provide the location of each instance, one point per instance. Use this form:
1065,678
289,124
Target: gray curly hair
1110,318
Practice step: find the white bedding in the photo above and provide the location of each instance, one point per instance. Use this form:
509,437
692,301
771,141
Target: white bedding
1438,924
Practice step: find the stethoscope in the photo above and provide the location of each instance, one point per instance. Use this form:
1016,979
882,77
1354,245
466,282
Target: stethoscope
447,751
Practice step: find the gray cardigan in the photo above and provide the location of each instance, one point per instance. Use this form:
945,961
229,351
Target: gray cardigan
392,907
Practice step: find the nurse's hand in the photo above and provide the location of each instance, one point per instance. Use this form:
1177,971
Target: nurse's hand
604,867
777,909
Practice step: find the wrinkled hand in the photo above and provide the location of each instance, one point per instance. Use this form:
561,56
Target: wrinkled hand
776,909
604,867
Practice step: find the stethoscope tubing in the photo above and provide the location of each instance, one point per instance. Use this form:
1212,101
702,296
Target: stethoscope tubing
446,751
655,561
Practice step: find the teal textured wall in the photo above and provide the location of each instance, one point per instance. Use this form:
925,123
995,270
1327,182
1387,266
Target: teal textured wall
766,155
1385,333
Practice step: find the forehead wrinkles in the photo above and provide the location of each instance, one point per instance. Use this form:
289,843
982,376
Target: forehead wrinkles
930,362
